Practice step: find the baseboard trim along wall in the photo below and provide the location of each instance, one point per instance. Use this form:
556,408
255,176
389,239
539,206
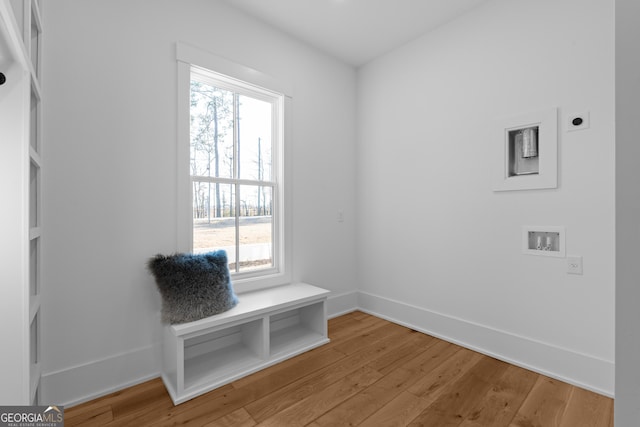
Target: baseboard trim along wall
77,384
343,303
565,365
81,383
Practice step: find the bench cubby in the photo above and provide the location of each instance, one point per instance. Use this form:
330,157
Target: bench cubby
295,328
266,327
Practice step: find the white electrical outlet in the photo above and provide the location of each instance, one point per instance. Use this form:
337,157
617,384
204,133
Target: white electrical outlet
574,265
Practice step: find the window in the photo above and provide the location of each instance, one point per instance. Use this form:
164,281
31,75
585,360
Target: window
231,152
232,135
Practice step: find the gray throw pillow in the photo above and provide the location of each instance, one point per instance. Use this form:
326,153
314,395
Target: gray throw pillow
193,286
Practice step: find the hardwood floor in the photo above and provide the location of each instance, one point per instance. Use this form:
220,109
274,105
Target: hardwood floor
373,373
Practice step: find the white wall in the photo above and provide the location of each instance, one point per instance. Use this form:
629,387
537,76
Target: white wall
627,213
110,126
437,248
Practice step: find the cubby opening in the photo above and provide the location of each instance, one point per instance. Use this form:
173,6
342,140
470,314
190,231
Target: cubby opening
218,354
35,42
33,195
34,358
296,328
33,121
34,252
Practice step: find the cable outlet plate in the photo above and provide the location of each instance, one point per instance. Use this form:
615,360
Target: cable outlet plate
578,121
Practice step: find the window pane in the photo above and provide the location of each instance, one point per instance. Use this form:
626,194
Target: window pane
213,217
254,138
256,228
211,131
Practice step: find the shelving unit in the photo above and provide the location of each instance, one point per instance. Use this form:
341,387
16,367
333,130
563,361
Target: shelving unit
21,221
266,327
296,327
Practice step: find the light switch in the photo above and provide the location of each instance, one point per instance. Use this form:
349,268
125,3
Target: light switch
574,265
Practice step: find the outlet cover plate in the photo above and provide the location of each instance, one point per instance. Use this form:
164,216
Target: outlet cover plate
574,265
578,121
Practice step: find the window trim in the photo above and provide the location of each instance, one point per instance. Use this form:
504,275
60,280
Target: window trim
190,58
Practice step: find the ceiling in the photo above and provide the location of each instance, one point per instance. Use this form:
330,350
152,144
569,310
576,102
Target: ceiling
355,31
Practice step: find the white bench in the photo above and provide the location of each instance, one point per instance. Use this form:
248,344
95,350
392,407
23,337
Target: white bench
266,327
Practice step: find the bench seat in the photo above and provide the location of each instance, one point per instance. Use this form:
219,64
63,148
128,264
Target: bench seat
266,327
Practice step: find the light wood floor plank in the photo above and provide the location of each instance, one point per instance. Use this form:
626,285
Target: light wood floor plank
92,416
545,405
239,418
280,399
431,384
356,409
587,409
427,388
373,334
292,369
461,397
399,412
361,315
347,330
310,408
372,373
414,344
145,396
500,404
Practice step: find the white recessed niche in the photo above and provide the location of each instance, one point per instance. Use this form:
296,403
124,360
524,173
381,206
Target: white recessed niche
526,151
543,240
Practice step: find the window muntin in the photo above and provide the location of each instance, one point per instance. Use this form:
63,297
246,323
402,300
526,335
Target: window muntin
235,140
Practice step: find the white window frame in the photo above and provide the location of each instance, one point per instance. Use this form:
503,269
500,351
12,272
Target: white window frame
191,59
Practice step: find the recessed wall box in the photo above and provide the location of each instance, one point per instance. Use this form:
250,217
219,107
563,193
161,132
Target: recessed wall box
543,240
526,155
523,151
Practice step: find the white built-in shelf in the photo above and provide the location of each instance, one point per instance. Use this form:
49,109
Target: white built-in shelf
21,162
212,368
34,233
35,157
297,327
266,327
34,307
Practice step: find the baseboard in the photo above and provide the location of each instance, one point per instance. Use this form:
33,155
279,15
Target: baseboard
343,303
78,384
81,383
575,368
